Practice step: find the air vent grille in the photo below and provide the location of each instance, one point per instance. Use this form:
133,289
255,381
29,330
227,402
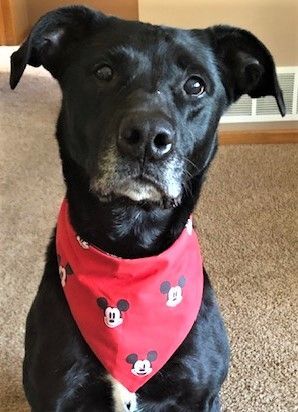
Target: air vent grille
267,105
242,108
265,109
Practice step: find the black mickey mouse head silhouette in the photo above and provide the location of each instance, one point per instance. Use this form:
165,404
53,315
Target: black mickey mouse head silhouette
174,293
141,367
64,271
112,315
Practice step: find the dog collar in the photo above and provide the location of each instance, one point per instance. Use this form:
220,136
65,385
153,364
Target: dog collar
133,313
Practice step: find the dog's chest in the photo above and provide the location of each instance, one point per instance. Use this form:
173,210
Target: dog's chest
124,401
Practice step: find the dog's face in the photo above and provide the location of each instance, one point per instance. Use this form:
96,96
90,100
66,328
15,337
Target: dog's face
141,103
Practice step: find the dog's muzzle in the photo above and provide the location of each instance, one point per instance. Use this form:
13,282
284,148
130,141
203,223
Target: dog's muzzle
143,165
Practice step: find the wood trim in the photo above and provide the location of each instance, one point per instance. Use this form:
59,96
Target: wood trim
14,21
275,136
126,9
18,16
2,30
8,26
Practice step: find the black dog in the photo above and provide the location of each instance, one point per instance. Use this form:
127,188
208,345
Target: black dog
136,132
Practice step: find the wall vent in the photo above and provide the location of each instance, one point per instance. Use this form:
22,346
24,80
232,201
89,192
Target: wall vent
265,109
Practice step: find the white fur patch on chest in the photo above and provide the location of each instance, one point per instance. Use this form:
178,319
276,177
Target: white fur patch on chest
124,401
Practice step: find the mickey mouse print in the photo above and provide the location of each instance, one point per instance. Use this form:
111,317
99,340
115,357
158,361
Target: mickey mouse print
128,310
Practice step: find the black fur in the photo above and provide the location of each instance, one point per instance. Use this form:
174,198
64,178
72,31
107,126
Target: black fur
150,65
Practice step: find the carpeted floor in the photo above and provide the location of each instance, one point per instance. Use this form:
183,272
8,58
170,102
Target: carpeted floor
247,219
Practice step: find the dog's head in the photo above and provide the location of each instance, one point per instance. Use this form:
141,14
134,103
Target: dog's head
141,103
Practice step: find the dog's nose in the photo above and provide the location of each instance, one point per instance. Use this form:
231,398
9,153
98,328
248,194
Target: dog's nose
150,137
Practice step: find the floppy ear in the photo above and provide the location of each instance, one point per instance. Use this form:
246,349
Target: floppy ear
50,39
246,65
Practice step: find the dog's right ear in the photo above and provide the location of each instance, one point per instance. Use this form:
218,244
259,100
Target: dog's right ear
246,65
50,38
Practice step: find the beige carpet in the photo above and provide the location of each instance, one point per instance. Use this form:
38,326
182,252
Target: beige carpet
248,224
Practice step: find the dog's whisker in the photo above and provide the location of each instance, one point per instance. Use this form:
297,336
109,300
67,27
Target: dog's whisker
191,163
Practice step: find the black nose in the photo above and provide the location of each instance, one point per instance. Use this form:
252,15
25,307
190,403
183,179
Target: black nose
141,136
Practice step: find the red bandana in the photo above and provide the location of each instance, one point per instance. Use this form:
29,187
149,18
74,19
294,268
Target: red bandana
133,313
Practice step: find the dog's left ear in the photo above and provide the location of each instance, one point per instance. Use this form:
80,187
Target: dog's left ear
51,39
246,65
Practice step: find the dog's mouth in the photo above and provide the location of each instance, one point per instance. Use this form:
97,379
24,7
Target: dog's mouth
140,189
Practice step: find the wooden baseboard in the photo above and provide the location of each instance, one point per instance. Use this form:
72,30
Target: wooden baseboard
2,30
259,136
14,24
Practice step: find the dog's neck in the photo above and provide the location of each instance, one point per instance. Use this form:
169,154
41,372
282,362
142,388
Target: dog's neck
121,227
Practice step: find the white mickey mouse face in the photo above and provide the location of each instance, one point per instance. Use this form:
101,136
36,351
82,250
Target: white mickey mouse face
113,315
174,296
142,368
174,293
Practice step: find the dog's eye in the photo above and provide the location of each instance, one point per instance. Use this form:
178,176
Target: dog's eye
104,73
195,86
